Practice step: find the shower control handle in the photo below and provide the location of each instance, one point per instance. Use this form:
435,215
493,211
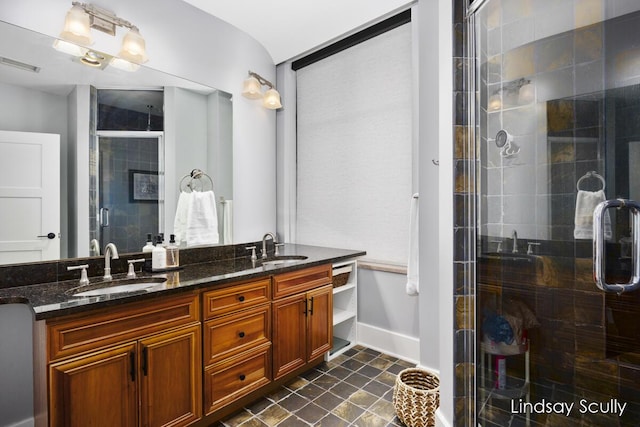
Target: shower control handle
599,258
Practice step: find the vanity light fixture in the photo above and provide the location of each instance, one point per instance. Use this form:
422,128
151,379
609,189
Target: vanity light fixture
77,34
252,89
523,87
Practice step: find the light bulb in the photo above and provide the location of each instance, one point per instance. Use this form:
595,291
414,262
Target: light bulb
77,27
252,88
271,99
133,47
495,102
526,94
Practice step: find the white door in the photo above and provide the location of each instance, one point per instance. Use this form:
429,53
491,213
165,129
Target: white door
29,197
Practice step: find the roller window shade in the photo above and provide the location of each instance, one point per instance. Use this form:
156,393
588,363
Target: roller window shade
354,148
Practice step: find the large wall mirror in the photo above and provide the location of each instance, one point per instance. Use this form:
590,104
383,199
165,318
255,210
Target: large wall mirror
117,183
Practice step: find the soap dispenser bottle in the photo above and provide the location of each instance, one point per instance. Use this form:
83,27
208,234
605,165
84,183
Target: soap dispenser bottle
149,246
173,253
159,256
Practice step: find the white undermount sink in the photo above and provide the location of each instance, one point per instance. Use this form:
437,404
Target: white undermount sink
118,286
284,259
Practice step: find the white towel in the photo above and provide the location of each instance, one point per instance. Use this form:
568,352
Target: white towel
412,264
180,221
227,222
202,219
586,203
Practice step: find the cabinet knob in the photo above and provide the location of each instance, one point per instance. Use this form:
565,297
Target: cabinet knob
241,334
241,298
242,377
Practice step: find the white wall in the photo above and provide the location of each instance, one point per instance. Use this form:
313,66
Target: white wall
216,55
210,147
435,112
384,303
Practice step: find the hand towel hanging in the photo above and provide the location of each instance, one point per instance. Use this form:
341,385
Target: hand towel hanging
413,287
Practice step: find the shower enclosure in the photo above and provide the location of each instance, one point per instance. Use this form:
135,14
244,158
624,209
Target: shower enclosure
557,116
126,186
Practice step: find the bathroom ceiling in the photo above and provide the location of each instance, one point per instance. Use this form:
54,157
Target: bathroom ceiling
290,28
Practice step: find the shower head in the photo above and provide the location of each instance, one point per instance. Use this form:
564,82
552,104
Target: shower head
503,138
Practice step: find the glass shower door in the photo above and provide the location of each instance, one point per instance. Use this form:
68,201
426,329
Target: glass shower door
558,85
129,181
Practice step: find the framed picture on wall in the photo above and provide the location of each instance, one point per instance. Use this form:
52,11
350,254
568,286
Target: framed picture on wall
143,186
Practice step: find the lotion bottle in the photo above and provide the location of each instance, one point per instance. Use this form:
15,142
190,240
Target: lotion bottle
159,256
173,253
149,246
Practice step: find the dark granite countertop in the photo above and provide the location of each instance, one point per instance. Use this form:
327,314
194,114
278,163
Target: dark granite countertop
54,299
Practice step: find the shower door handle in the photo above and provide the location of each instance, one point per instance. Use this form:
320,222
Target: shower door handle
104,217
599,259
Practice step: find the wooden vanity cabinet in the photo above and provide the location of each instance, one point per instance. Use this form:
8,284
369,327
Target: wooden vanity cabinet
138,364
302,318
237,342
166,362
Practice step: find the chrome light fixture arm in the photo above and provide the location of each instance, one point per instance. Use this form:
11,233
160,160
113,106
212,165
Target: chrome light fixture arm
262,80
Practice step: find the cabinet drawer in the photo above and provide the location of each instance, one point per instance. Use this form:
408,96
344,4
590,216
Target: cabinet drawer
301,280
234,378
105,327
236,332
236,297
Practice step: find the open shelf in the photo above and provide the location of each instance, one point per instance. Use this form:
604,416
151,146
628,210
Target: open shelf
338,345
340,316
343,288
345,307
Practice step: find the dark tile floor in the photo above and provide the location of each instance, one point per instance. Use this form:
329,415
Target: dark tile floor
354,389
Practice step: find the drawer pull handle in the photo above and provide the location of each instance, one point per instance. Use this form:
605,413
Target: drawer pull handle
242,377
241,334
241,298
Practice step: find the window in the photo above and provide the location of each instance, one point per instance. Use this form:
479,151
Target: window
354,147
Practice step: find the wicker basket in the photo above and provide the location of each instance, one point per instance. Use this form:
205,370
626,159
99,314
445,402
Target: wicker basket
341,276
416,396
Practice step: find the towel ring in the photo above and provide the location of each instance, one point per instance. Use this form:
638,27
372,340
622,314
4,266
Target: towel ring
195,180
591,174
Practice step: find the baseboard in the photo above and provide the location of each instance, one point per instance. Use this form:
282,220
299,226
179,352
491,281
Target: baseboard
388,342
441,421
24,423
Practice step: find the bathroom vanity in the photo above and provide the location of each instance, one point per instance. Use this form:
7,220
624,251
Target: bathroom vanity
186,351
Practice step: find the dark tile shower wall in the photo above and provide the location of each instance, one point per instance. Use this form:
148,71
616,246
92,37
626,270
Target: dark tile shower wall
587,345
130,220
464,227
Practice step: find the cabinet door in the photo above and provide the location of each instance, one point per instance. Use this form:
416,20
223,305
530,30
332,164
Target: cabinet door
171,378
320,321
98,389
289,334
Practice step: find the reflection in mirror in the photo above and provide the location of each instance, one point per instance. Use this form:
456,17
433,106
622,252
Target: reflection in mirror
124,187
188,127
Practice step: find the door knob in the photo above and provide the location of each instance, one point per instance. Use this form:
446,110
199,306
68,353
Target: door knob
49,236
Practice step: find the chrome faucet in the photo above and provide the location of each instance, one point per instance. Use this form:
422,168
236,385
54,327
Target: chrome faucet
110,251
514,236
264,243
